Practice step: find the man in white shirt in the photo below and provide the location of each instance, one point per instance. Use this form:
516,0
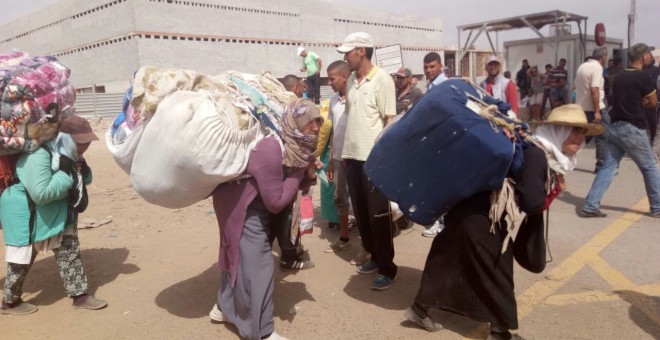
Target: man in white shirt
370,105
338,73
590,95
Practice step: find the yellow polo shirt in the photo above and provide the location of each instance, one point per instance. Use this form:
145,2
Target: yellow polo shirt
367,105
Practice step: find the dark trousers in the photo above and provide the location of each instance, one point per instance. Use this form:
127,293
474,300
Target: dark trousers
546,96
600,140
372,214
281,229
314,88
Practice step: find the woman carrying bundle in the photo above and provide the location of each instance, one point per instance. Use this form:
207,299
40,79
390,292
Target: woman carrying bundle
467,272
247,213
39,212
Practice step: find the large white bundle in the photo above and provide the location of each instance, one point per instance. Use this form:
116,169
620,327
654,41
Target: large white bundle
188,148
123,153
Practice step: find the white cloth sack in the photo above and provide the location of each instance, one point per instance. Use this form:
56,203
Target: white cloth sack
123,153
188,148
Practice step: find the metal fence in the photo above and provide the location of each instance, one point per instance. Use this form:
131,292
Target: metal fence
109,104
99,104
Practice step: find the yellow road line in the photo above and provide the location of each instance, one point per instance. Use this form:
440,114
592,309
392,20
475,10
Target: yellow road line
610,274
599,295
540,291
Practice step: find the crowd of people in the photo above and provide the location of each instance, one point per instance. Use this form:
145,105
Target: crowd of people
469,268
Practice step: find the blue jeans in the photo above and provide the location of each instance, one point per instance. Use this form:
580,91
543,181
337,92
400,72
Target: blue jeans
624,138
600,140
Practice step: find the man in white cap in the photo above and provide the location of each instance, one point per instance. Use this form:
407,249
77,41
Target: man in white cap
499,86
312,64
370,105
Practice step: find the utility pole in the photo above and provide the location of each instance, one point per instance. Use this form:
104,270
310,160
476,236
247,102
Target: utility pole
632,17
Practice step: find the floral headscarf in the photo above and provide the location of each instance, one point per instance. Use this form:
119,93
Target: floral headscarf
299,148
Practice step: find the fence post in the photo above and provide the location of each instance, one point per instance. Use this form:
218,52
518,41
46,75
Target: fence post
96,112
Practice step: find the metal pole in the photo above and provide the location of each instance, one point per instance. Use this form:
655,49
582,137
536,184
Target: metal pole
632,17
457,62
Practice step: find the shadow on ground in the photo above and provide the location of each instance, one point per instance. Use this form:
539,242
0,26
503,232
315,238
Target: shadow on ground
44,286
577,202
644,311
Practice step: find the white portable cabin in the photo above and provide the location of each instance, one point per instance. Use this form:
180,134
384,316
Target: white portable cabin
539,53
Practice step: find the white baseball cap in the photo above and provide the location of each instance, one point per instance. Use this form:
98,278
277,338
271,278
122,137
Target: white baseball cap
354,40
300,50
493,59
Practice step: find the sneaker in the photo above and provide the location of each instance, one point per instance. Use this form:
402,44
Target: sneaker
216,314
90,302
361,257
382,282
275,336
338,245
352,222
367,267
426,323
655,214
19,308
298,264
434,230
595,213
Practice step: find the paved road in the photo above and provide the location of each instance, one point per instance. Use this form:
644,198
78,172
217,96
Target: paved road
604,281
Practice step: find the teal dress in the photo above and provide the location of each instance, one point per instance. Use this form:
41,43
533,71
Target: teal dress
328,208
49,191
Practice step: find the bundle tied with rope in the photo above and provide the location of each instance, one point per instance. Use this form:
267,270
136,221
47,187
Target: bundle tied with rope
195,131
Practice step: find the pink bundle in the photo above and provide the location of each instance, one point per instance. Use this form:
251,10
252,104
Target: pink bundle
35,92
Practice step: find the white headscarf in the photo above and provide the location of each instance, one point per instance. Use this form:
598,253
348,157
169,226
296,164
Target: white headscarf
552,138
63,145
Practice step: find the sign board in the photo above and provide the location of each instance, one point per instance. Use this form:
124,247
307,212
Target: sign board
389,58
599,34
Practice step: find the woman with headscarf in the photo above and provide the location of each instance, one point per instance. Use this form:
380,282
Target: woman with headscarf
247,213
469,269
39,212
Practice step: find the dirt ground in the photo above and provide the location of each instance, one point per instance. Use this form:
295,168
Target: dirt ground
156,267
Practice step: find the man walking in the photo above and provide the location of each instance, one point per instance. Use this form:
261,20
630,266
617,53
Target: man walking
632,92
590,95
312,64
370,105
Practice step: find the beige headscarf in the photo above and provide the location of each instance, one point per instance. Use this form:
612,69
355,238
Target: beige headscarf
299,148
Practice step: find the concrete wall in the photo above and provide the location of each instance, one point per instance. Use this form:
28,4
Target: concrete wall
68,24
104,41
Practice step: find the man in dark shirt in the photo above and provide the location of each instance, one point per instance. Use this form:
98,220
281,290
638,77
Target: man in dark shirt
653,72
632,92
406,93
522,79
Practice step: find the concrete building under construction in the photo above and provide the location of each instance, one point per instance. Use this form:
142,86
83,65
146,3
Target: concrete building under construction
105,41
